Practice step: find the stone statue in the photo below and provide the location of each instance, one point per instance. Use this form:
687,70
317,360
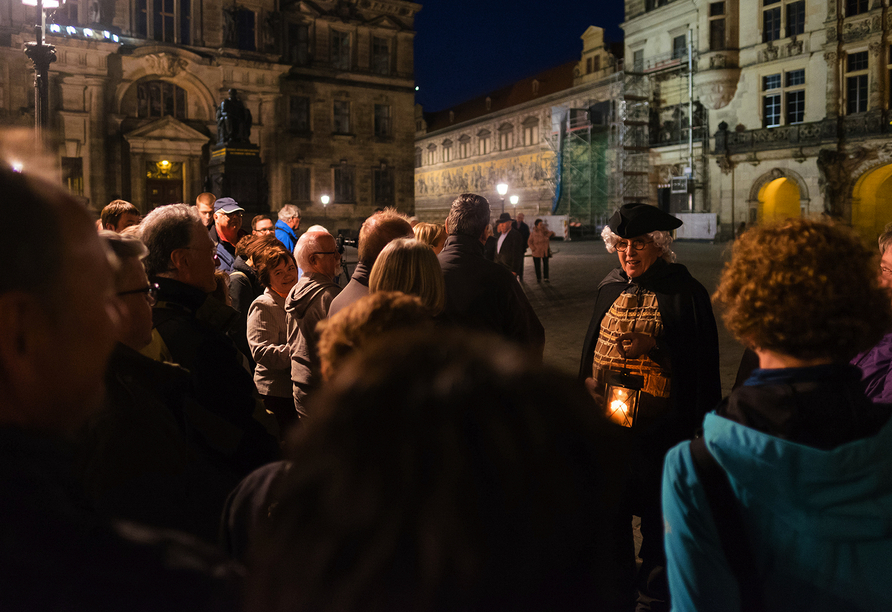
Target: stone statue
233,120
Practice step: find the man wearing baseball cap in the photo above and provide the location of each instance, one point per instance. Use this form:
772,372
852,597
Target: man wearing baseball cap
226,231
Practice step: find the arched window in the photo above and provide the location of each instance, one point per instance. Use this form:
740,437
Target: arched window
506,137
160,99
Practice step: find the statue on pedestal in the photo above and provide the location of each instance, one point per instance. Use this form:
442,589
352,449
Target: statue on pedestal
233,120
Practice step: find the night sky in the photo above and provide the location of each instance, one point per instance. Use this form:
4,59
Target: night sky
466,48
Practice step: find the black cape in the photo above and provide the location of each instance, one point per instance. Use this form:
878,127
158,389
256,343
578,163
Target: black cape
690,339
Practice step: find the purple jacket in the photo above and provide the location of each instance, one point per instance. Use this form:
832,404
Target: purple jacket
876,370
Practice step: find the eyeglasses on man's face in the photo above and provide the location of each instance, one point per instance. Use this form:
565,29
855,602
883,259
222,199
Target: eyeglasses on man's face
623,245
150,291
327,253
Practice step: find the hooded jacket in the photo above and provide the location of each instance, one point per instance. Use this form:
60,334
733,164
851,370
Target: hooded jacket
809,459
307,304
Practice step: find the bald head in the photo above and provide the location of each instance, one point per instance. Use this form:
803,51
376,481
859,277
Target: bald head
379,230
317,252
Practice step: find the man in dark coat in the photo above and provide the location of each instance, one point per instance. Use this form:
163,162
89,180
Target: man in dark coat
191,330
58,315
481,294
675,348
510,246
523,228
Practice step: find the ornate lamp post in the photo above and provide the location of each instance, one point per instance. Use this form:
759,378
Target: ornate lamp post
502,188
42,55
325,199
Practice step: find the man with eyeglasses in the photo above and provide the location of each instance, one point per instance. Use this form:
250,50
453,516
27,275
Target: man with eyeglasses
306,305
262,225
226,231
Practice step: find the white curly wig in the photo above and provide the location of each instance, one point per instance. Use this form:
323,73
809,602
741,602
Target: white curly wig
662,240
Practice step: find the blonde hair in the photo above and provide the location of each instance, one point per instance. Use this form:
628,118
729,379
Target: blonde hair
430,233
410,266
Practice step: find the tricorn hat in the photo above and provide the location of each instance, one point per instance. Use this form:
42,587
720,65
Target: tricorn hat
638,218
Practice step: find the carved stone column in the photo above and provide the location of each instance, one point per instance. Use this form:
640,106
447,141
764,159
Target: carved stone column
876,75
833,86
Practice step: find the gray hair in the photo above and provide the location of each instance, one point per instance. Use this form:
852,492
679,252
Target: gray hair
123,247
662,240
305,246
289,211
164,230
885,238
468,215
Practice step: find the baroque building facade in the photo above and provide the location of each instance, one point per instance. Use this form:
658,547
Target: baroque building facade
512,136
136,86
790,99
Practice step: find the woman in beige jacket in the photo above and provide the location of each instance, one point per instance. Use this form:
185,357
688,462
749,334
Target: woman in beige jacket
538,244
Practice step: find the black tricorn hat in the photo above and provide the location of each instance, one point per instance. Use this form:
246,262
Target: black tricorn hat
504,218
638,218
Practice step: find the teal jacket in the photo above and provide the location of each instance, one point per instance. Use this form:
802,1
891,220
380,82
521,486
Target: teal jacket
818,520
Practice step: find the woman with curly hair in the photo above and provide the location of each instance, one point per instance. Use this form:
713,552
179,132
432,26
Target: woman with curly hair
654,320
784,503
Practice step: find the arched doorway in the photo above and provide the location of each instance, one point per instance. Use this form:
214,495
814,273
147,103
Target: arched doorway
779,199
872,201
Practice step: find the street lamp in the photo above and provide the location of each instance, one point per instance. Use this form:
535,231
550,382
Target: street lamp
42,55
514,199
325,199
502,188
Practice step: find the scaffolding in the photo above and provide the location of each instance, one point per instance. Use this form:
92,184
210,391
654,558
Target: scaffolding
630,139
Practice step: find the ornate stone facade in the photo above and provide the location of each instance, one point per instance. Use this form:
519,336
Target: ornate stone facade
329,84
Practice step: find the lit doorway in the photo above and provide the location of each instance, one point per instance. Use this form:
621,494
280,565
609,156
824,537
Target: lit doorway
778,200
872,202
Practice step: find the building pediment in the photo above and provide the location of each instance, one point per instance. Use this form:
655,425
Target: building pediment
306,8
166,135
386,22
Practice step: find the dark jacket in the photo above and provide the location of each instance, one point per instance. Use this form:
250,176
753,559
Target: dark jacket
244,286
357,288
58,554
481,294
690,340
193,327
524,230
142,458
511,253
225,250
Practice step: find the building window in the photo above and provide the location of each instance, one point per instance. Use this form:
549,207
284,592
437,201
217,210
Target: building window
160,99
340,50
716,26
419,157
380,56
299,113
344,180
530,132
158,20
794,90
447,150
382,176
771,20
856,82
66,14
239,29
464,147
431,155
856,7
484,142
680,46
298,52
783,91
588,65
73,175
795,18
300,185
383,127
889,73
341,117
506,137
638,60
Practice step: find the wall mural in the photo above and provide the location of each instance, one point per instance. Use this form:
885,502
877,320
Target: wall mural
524,171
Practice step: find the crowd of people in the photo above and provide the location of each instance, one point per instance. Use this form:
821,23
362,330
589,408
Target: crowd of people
196,415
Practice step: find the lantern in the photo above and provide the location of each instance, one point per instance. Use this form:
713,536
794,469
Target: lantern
622,394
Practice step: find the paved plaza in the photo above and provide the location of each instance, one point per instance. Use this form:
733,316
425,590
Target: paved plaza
565,304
